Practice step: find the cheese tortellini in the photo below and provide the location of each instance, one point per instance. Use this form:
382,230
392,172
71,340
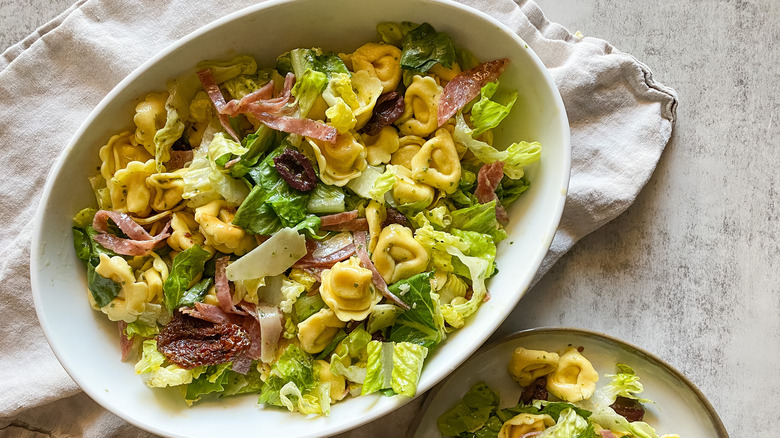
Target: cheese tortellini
316,332
185,232
421,107
150,116
348,290
519,425
129,192
166,189
339,162
574,379
525,366
408,191
408,146
214,221
381,61
375,216
119,152
437,163
381,147
134,295
397,255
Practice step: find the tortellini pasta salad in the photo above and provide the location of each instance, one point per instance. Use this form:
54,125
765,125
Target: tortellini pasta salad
309,229
559,399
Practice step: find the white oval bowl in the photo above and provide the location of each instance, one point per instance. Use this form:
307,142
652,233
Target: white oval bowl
86,343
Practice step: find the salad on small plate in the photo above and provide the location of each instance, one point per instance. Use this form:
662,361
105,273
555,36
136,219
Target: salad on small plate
556,383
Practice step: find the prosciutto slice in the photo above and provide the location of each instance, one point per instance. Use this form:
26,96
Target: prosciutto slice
606,433
224,296
488,178
261,101
125,344
464,87
271,324
361,237
139,242
347,221
327,253
211,313
293,125
212,89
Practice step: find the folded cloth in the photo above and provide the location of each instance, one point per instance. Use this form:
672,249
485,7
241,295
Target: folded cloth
621,120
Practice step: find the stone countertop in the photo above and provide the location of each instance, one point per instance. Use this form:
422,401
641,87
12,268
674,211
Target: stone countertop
689,272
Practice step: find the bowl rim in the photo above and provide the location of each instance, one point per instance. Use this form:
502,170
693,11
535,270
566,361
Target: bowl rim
639,351
38,241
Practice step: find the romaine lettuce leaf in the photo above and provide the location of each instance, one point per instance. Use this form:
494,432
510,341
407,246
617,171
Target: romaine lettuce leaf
487,113
515,157
568,425
229,69
156,375
418,324
393,32
325,199
272,204
480,218
205,181
471,412
187,265
181,91
103,290
394,366
423,48
212,379
349,357
294,366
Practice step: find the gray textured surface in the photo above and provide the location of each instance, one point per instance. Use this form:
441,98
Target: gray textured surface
689,271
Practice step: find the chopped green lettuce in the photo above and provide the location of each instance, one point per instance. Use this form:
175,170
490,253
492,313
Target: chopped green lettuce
393,32
423,48
211,379
420,324
487,113
187,265
480,218
349,357
205,181
568,425
393,366
325,199
272,204
103,290
291,383
181,91
229,69
156,375
515,157
471,412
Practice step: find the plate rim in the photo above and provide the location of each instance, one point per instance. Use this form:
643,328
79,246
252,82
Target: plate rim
717,423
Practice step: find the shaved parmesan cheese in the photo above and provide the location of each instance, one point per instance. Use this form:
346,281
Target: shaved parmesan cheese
272,257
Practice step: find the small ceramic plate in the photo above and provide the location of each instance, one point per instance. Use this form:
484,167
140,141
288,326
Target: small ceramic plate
679,407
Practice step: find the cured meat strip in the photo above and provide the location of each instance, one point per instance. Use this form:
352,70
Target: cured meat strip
212,89
361,239
224,296
464,87
140,242
488,178
261,101
293,125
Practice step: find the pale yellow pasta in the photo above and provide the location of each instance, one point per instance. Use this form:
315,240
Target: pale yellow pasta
316,332
421,102
201,113
351,99
339,162
185,232
166,189
375,216
338,384
574,379
397,255
118,152
408,146
131,300
348,290
214,222
380,147
150,116
525,366
521,424
408,191
381,61
437,163
444,73
129,192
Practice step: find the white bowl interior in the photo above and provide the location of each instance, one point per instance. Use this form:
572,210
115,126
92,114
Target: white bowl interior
85,342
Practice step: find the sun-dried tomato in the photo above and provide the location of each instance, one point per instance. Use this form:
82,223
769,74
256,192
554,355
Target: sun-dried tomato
190,342
388,108
535,391
296,170
629,408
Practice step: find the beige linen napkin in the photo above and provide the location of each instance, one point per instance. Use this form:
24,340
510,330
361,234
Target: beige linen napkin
621,119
